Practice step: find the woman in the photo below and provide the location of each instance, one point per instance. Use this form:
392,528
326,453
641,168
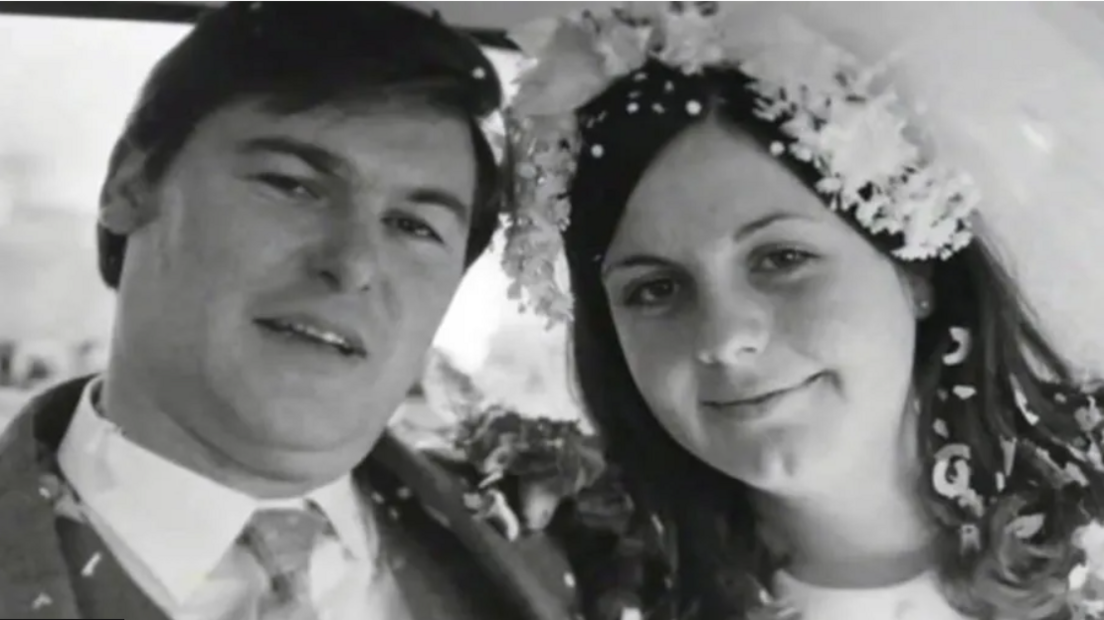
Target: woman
824,391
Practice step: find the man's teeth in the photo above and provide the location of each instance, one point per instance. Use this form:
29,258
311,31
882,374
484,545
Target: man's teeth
322,335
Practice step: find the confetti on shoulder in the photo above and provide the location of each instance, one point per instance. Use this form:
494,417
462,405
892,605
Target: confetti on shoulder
90,567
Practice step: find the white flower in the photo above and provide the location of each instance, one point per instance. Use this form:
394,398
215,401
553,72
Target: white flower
817,93
624,48
859,144
692,41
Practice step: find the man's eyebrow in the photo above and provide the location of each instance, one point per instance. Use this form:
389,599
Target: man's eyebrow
328,162
460,209
314,156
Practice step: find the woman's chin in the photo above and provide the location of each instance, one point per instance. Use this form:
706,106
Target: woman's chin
775,471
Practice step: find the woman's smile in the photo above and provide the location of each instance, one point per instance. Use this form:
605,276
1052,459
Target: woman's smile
763,403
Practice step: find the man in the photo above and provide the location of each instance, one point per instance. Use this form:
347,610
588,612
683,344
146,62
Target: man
285,219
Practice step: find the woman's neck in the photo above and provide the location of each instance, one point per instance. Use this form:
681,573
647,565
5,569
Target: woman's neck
869,532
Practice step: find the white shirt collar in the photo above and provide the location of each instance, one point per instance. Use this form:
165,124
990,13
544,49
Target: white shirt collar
177,522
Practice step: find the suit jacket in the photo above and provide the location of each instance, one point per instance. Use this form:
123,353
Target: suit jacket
454,567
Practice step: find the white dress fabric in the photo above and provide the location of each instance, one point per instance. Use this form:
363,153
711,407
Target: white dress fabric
916,599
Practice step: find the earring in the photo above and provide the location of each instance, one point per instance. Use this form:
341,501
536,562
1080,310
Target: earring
923,308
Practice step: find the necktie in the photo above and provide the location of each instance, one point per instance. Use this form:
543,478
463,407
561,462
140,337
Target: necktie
282,541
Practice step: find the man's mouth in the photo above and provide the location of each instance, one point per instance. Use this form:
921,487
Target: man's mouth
344,342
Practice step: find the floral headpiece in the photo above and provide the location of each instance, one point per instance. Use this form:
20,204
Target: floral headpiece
823,103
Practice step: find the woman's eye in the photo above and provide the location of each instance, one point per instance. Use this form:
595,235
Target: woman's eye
414,227
781,260
288,186
652,293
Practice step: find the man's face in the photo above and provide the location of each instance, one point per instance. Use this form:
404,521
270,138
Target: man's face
294,272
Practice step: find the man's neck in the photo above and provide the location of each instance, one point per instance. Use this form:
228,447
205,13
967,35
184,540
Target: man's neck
140,409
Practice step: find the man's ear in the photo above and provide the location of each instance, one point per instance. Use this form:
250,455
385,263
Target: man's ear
127,199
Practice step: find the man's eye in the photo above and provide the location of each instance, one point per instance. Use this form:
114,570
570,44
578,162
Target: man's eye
413,227
781,260
651,293
288,186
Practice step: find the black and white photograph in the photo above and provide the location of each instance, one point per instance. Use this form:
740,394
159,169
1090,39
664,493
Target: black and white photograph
552,310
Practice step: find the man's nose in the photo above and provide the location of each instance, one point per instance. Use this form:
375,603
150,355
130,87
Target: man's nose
349,258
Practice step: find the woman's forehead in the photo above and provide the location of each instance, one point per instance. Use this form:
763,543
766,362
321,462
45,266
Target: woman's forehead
713,179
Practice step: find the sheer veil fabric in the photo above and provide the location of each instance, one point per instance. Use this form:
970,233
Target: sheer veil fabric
1009,91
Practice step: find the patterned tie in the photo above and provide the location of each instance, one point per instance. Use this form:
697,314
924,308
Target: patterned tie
282,540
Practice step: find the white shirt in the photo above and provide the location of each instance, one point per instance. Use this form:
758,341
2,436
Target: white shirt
174,531
916,599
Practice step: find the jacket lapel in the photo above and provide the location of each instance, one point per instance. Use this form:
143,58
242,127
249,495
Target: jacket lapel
105,590
34,577
440,495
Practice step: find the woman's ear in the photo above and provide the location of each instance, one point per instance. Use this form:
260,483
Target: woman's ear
921,293
127,201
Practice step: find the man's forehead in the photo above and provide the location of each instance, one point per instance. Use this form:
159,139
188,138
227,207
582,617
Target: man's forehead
416,150
387,117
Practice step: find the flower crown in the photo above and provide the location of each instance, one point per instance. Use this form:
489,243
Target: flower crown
823,103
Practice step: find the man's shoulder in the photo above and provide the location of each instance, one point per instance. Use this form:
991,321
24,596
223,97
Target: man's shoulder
33,571
39,418
17,413
12,403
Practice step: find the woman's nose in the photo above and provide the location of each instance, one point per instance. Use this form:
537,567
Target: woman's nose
733,330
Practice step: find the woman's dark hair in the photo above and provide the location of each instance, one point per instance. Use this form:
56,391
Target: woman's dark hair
717,561
295,57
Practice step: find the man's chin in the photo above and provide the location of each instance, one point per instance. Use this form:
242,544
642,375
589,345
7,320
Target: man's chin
310,454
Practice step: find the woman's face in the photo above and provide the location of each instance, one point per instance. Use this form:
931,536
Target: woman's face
767,336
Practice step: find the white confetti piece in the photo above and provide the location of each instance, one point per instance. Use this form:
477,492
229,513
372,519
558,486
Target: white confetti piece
43,600
940,428
1008,449
1027,526
961,338
90,567
964,392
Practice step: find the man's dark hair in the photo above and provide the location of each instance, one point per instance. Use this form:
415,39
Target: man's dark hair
293,57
